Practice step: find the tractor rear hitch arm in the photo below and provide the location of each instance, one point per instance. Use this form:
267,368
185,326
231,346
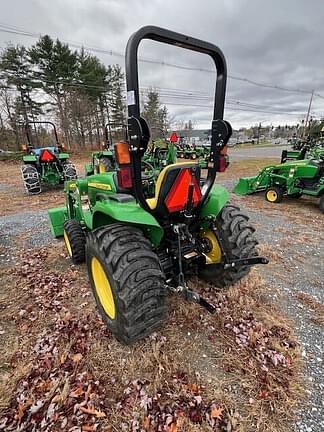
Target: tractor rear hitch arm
246,262
193,297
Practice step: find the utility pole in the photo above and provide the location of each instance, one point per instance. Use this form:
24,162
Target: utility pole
308,112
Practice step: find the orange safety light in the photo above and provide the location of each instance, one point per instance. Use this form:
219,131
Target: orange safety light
122,153
63,148
24,147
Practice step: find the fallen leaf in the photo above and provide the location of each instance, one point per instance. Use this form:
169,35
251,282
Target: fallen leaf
146,423
173,427
216,412
93,411
77,358
88,428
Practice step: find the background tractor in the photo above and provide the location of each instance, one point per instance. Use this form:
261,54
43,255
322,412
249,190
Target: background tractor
161,152
293,178
141,243
45,165
104,160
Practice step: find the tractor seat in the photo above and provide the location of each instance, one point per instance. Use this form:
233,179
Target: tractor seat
173,187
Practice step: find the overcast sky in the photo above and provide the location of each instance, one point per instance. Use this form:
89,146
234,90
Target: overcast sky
278,42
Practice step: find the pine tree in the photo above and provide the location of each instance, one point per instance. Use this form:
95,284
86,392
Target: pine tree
155,114
55,69
15,72
116,99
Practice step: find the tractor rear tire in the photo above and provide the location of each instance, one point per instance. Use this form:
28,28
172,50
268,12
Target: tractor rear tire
274,194
75,239
31,179
127,281
238,242
321,204
69,171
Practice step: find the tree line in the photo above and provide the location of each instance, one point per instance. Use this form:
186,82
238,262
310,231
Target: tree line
50,81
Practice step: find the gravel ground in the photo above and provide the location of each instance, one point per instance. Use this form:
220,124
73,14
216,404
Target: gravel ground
30,229
242,153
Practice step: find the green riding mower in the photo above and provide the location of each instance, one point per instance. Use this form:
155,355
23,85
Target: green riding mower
104,160
45,165
141,243
293,179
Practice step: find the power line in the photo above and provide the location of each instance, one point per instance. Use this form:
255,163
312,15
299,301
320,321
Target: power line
16,30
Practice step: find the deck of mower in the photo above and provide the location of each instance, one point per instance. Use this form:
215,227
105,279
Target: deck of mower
47,165
293,179
144,238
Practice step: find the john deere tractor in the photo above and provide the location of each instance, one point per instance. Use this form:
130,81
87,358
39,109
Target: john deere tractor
293,179
45,165
139,244
161,152
104,160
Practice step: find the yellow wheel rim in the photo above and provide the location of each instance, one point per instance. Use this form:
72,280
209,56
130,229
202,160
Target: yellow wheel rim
272,195
103,288
67,243
214,256
101,168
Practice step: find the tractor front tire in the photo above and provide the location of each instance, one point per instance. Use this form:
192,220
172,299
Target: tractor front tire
274,194
321,204
127,281
238,242
75,239
31,179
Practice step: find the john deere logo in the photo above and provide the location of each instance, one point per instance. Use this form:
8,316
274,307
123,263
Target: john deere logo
100,186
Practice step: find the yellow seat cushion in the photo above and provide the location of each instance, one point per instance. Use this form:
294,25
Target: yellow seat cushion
152,202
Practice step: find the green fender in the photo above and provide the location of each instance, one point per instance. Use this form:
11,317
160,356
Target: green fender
109,211
63,156
30,158
216,200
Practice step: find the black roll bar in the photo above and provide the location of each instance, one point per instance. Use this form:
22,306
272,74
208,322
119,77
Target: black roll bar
138,130
29,138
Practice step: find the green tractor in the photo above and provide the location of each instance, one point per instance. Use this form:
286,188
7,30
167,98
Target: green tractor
161,152
294,179
104,160
45,165
141,243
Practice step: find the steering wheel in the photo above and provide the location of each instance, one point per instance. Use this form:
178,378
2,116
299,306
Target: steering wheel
148,172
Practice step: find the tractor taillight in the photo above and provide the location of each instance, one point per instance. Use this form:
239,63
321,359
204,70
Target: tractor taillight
124,177
46,156
222,163
122,153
